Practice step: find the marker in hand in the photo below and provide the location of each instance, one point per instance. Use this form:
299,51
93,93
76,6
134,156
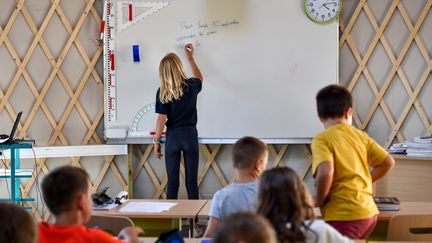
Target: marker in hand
189,47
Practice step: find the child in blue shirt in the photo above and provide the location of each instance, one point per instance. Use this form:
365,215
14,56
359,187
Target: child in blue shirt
250,158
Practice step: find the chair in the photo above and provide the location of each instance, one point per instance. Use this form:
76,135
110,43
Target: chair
110,224
410,228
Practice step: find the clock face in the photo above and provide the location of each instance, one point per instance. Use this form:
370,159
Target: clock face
323,11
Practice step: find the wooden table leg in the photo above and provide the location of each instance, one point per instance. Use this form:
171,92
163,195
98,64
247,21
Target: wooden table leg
130,172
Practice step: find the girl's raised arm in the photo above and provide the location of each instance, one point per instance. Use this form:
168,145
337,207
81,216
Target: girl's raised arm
189,49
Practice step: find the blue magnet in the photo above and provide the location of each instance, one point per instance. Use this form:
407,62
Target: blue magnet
135,51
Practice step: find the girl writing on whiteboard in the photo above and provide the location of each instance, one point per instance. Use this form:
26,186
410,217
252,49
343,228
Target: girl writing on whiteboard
176,105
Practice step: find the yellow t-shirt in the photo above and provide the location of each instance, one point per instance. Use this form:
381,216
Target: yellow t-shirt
352,153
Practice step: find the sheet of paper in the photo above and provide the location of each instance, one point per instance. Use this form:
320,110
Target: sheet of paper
146,207
106,207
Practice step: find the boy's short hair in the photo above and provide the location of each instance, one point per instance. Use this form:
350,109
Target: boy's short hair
18,225
244,227
246,151
333,101
62,186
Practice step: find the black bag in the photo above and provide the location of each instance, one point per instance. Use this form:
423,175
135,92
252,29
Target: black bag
172,236
100,198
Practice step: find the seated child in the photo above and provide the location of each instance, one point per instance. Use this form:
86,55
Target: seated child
244,227
285,201
66,192
17,224
250,157
342,157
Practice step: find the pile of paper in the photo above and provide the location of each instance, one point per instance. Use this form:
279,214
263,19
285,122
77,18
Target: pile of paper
147,207
420,147
387,203
398,148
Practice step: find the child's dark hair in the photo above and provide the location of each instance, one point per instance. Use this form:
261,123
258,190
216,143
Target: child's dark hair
284,200
62,186
246,151
244,227
18,225
333,101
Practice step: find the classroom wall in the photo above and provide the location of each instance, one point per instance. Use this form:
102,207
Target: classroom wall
50,66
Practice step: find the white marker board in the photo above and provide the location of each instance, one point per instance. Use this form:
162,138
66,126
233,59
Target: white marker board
262,61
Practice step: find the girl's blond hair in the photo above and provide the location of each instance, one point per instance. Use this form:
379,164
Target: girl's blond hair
172,77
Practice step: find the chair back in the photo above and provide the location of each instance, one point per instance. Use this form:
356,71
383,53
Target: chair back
410,228
110,224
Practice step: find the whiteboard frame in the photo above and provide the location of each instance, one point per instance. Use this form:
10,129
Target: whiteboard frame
215,140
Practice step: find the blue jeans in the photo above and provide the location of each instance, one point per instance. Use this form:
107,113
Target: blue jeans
180,139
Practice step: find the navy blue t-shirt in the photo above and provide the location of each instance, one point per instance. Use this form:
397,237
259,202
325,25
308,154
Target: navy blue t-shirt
181,112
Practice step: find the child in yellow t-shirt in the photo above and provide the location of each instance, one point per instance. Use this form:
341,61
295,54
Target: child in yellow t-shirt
342,158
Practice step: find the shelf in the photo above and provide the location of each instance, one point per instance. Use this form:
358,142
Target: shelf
17,145
15,174
19,173
17,200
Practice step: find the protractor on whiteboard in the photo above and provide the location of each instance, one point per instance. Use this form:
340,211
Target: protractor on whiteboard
145,117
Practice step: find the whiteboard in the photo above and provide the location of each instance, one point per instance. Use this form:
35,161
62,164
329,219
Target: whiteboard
263,63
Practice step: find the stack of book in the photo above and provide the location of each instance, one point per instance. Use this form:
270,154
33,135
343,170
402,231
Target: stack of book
397,148
387,203
420,147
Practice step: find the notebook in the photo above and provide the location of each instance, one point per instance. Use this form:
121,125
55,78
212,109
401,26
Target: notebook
387,203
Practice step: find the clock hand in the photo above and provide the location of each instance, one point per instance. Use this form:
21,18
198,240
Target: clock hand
324,5
333,3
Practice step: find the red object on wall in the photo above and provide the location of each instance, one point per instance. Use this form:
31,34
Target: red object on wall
112,60
130,12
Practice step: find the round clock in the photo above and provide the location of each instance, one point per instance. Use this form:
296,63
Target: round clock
323,11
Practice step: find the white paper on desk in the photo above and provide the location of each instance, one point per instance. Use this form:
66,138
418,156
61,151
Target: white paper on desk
146,207
105,207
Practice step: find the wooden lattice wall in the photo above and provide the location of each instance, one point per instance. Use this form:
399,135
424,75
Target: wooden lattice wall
395,37
50,67
51,78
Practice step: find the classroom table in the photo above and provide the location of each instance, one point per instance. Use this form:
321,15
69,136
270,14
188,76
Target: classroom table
204,212
405,208
153,239
199,240
363,241
155,223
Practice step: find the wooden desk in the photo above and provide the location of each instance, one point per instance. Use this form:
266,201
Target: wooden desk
204,212
153,239
409,180
380,231
384,217
362,241
406,208
155,223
